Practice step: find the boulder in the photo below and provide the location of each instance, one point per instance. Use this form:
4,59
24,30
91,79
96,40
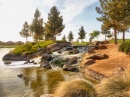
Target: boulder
55,48
90,51
101,46
46,57
20,75
64,44
52,45
8,62
98,56
89,62
75,51
45,64
70,68
59,51
73,60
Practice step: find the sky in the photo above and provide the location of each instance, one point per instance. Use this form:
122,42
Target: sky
76,13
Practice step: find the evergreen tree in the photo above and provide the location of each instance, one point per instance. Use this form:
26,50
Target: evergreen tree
37,26
25,31
64,38
70,36
81,33
54,25
113,13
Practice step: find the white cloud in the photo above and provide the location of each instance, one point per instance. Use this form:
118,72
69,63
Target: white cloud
15,12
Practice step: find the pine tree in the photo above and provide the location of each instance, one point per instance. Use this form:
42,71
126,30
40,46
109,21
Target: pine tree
54,25
25,31
36,27
64,38
113,13
81,33
70,36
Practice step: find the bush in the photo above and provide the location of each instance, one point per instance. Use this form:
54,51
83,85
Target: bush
75,88
31,47
118,86
58,63
125,47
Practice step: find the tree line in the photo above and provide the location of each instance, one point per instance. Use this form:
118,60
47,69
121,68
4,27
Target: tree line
115,14
53,27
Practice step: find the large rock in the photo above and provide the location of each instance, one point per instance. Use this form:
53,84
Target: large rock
98,56
64,44
73,60
52,45
89,62
55,48
70,68
101,46
75,51
45,64
15,57
8,62
46,57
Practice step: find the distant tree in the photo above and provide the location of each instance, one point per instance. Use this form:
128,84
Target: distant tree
95,34
77,41
70,36
64,38
25,31
81,33
54,25
36,27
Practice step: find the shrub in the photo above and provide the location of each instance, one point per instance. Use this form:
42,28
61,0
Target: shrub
118,86
75,88
58,63
31,47
125,47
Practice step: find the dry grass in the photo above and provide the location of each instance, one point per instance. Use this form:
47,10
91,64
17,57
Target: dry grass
118,86
75,88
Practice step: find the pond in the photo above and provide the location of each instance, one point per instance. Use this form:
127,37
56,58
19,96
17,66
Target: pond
36,80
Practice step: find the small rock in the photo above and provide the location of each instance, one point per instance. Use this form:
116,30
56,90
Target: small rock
20,75
7,62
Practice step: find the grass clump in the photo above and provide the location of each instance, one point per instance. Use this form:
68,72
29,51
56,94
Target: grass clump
53,78
75,88
118,86
31,47
125,47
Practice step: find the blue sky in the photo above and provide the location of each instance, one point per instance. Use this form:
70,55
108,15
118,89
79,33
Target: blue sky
76,13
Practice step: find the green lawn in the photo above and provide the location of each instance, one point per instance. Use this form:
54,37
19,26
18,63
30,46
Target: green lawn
119,41
79,43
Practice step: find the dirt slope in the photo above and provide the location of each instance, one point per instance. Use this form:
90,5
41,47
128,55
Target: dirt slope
107,66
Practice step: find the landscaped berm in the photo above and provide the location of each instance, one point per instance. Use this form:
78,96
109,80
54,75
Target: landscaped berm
109,67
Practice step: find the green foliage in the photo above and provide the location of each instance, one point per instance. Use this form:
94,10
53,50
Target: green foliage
125,47
94,34
25,31
64,38
79,43
37,26
31,47
58,63
70,36
81,33
54,25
